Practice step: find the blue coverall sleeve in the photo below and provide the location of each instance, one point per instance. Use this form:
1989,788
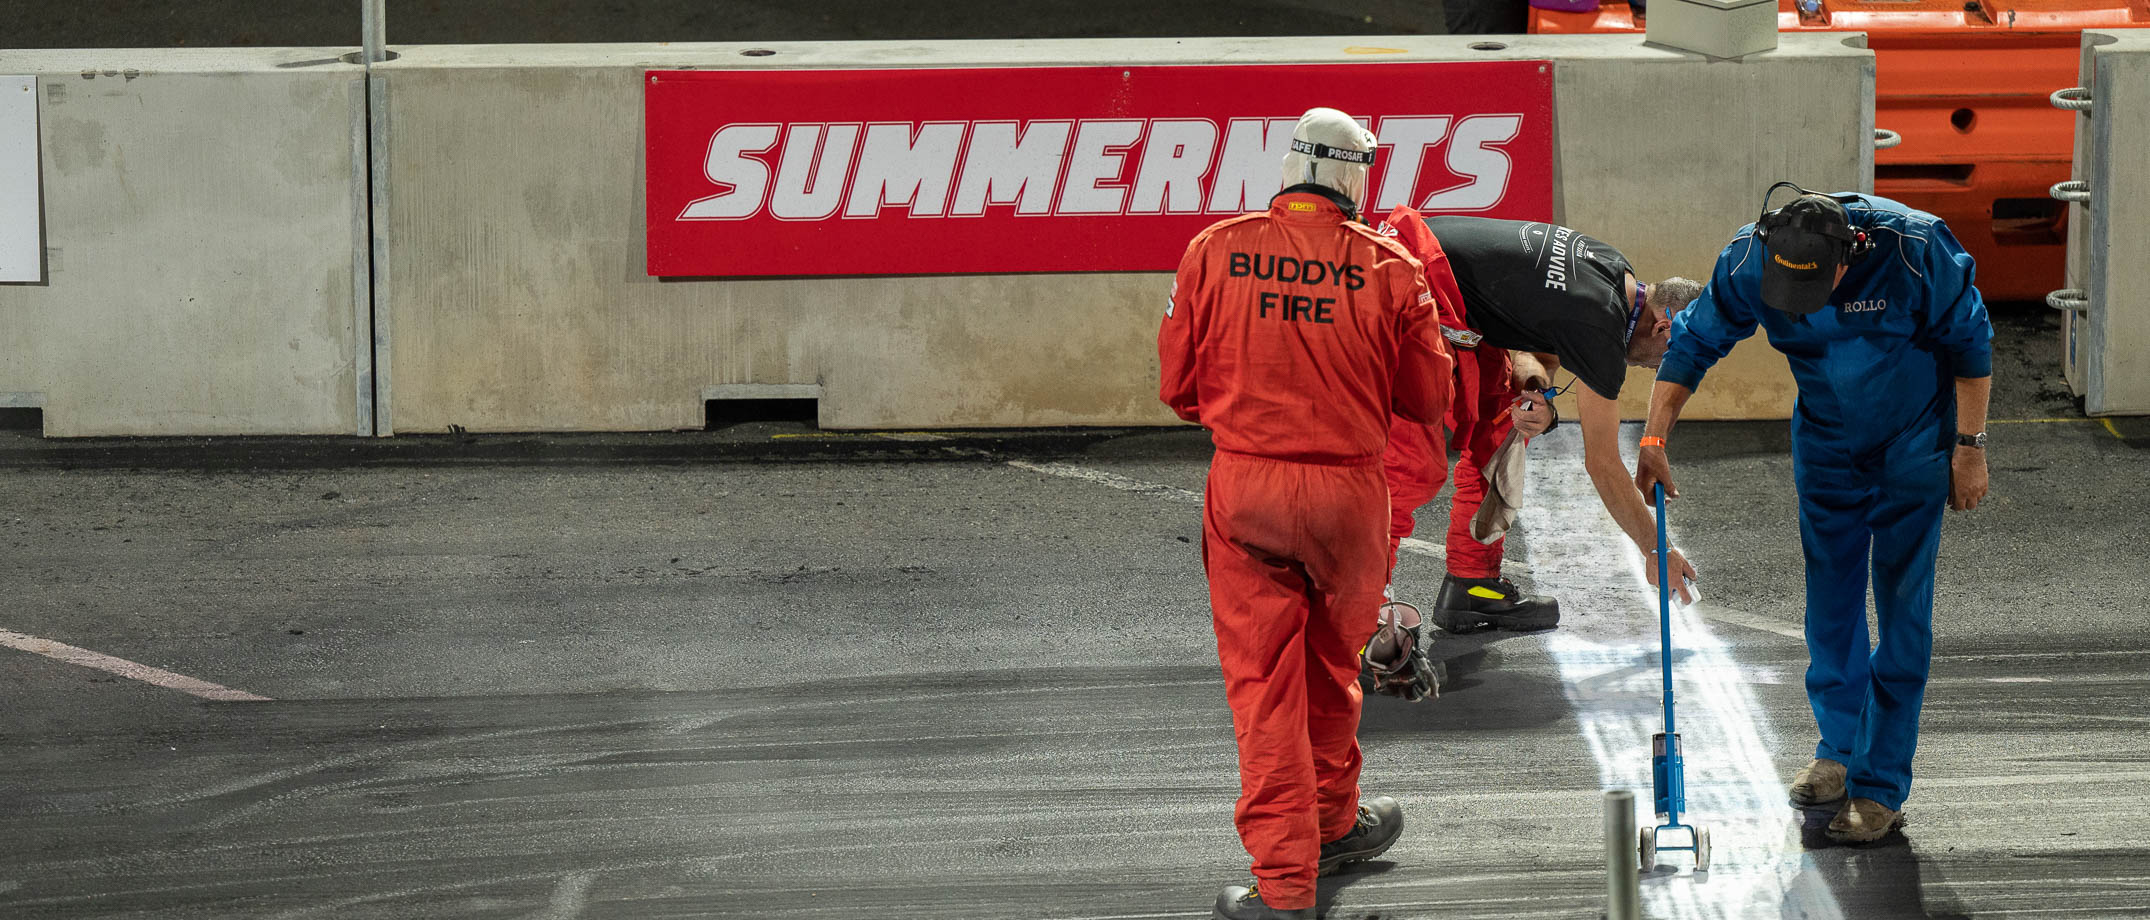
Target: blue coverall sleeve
1715,321
1955,319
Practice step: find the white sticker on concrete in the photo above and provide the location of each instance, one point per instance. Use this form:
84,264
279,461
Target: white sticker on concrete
21,236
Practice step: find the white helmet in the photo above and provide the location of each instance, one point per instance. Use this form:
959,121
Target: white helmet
1330,150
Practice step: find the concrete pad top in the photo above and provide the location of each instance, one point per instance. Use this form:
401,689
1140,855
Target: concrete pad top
173,60
1343,49
2124,41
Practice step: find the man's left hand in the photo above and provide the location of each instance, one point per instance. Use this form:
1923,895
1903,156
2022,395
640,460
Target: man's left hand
1966,478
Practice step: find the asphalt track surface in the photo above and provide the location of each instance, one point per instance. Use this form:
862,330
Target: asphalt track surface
777,673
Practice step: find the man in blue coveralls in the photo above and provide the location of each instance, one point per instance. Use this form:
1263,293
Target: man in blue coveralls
1873,304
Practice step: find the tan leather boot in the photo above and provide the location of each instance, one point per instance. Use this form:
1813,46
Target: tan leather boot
1864,821
1818,782
1237,903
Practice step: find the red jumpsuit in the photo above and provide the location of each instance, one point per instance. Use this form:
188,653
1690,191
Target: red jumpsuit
1417,457
1293,335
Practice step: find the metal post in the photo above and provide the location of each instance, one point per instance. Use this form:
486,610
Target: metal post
373,15
374,29
1623,875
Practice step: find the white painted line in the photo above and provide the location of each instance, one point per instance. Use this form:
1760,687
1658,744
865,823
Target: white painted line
2072,653
2131,720
1175,493
1423,548
1110,480
2073,781
570,897
61,651
1733,785
1606,661
1751,621
2019,680
2107,910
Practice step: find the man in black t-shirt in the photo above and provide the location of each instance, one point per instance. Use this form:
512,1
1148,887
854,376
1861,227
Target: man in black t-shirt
1556,299
1546,289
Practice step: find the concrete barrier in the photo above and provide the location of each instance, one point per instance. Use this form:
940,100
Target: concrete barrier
2108,341
515,295
201,209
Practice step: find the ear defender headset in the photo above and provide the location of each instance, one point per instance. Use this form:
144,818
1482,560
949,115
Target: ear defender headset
1852,243
1364,158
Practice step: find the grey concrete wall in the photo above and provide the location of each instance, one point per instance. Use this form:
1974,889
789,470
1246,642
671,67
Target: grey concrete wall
2073,325
1664,154
2113,155
200,216
516,297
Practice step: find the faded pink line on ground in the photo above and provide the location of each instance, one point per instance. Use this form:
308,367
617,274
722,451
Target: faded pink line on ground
61,651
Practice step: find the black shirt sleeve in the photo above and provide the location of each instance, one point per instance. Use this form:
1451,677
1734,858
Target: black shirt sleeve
1534,286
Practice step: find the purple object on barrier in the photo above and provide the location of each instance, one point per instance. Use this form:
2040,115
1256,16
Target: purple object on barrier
1566,6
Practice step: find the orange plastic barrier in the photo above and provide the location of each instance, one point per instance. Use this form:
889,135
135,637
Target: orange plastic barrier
1965,84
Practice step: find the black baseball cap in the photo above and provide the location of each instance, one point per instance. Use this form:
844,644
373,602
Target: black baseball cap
1806,240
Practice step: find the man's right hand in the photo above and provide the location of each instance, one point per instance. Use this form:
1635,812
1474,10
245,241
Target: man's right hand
1682,573
1653,467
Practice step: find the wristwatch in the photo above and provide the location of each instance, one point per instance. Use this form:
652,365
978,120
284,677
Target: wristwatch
1972,440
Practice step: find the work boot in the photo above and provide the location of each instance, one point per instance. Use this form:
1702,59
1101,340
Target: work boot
1380,822
1864,821
1245,903
1818,783
1467,604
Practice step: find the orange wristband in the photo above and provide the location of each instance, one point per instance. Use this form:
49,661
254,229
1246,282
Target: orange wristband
1653,442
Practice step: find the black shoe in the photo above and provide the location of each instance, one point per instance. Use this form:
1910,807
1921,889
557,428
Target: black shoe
1380,823
1476,603
1237,903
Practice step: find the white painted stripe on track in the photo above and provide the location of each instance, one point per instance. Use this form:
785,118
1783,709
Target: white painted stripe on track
2094,717
1751,621
1110,480
1733,786
1423,548
2067,653
61,651
2071,781
1173,493
1733,789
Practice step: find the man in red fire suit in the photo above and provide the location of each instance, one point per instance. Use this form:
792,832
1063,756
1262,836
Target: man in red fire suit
1293,335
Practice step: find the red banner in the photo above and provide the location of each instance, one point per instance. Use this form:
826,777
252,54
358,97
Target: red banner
1052,169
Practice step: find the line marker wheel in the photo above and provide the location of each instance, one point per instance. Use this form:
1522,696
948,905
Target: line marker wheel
1698,842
